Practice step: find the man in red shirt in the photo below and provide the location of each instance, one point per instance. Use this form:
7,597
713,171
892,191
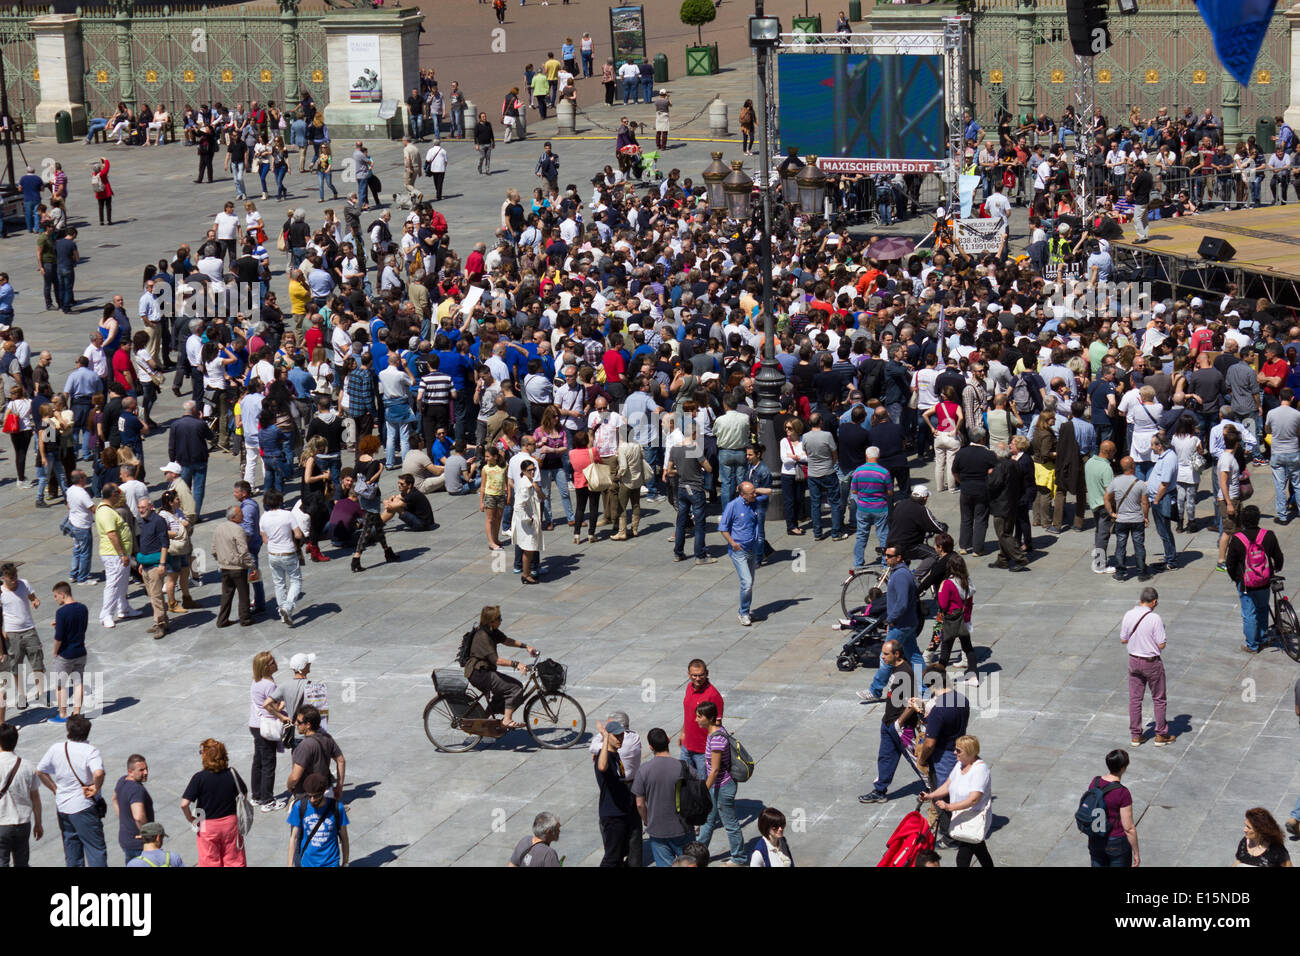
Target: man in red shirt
1272,375
315,335
691,738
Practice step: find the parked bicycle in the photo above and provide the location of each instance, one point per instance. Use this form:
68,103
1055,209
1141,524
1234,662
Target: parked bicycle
459,718
1284,624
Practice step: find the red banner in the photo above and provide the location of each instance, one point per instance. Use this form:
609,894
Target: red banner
837,164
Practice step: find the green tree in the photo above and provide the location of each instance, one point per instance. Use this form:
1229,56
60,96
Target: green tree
696,13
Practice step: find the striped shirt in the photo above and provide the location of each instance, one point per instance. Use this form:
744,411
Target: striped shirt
870,487
435,389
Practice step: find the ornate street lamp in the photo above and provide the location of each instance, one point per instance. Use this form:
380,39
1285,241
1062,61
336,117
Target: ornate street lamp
714,174
739,189
811,183
789,171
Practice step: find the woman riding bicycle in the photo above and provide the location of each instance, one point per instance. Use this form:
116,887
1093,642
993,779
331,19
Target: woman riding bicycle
481,670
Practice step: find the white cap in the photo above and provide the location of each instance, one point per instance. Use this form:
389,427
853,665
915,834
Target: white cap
959,324
1197,302
995,307
171,468
921,491
299,661
1158,308
710,377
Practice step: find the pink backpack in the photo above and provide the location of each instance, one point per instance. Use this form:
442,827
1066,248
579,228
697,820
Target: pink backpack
1259,570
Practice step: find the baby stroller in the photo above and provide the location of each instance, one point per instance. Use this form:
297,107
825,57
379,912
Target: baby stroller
868,625
643,165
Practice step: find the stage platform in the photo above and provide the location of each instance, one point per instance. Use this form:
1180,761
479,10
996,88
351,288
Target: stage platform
1266,259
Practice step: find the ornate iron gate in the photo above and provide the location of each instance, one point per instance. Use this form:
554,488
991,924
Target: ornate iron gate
1162,56
22,76
187,56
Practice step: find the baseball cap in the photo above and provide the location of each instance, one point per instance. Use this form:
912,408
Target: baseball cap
299,661
1196,302
151,831
171,468
921,491
615,727
709,377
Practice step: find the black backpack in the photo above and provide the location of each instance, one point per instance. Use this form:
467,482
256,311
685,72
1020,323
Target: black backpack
1092,818
462,653
692,798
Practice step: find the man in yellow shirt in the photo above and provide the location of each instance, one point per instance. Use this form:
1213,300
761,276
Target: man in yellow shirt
115,544
541,89
300,300
552,70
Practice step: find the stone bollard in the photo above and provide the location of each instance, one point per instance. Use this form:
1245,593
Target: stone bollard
471,120
718,118
566,118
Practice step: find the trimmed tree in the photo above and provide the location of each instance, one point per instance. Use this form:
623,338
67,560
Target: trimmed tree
696,13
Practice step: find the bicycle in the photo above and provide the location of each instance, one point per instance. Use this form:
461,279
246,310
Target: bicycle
862,588
1284,622
457,718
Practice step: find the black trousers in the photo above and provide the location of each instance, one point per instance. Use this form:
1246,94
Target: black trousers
105,209
437,183
974,522
14,843
622,839
978,850
234,582
263,773
586,495
432,418
205,163
1010,550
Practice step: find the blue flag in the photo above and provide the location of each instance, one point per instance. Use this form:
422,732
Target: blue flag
1238,28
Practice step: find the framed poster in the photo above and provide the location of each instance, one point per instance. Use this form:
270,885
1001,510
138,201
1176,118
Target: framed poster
364,84
627,33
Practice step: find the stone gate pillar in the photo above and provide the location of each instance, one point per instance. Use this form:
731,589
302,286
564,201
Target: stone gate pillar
380,46
59,58
1292,114
1231,91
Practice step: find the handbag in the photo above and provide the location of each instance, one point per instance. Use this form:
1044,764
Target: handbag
598,477
11,425
1244,485
100,805
282,243
244,815
970,826
269,729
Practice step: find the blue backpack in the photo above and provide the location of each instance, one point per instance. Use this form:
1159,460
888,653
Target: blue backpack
1092,818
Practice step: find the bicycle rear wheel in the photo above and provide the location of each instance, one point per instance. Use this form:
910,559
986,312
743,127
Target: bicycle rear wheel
1288,628
856,592
442,717
555,721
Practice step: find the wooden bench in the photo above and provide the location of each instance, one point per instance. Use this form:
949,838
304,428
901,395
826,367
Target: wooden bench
168,132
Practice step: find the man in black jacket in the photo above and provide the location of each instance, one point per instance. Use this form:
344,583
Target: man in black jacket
1004,489
910,523
187,445
970,470
1254,600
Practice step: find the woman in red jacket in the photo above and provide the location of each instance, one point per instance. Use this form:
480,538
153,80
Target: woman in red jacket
103,191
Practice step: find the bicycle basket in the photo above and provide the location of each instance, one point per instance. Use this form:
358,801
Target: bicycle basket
551,676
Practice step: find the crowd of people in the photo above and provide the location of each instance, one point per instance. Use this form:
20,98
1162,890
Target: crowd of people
607,347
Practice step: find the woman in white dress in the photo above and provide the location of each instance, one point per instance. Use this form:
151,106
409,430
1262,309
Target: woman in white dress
1144,421
526,526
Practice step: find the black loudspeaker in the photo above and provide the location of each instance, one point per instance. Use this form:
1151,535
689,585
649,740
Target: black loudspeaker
1215,249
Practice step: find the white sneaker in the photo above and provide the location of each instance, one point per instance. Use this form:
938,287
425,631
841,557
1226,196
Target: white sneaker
109,623
745,619
273,805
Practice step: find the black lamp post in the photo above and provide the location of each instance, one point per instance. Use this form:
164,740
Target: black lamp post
764,34
713,176
811,183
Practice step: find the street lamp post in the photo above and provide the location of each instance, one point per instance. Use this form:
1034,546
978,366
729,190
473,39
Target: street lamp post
764,34
713,176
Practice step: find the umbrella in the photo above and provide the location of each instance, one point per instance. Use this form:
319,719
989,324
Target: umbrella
891,247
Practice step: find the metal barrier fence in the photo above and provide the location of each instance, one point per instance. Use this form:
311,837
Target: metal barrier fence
858,198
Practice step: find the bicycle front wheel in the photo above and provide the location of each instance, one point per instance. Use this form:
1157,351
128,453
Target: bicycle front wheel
856,592
442,717
1288,629
555,721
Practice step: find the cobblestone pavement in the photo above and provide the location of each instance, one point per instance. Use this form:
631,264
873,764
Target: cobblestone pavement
625,620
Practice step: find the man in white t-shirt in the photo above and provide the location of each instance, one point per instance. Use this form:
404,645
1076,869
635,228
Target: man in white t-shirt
282,536
74,772
134,489
227,224
20,807
80,518
21,642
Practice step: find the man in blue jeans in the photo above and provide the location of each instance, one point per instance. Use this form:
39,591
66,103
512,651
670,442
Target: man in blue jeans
901,689
1254,581
655,789
73,771
739,526
869,486
686,463
1162,488
823,484
31,185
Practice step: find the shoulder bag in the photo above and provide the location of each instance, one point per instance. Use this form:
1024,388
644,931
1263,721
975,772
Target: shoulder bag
598,476
100,805
321,817
243,807
970,826
18,762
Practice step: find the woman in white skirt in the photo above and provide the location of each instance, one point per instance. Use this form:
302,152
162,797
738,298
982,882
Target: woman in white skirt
662,106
